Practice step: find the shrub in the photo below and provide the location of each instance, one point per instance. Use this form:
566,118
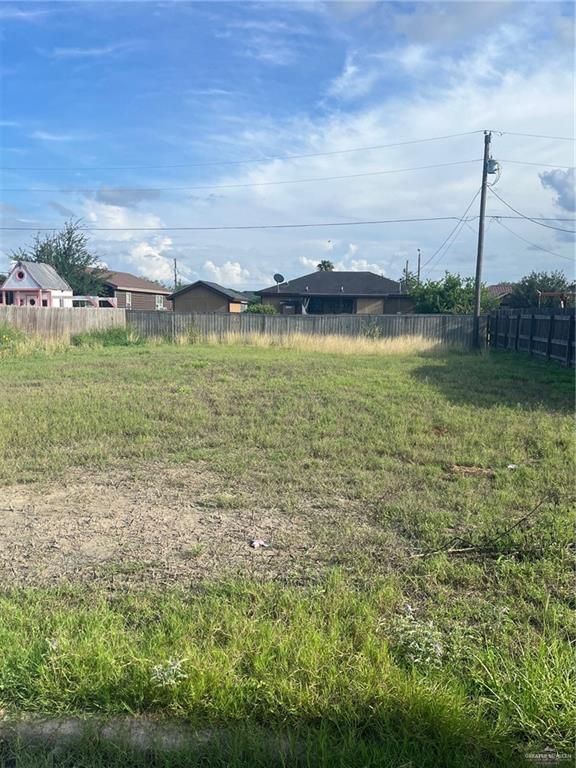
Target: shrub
109,337
261,309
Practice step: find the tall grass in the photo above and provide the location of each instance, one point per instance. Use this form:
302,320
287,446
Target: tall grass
333,344
15,342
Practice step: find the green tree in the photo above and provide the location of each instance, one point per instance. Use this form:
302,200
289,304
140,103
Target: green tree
409,281
256,308
525,292
325,266
69,253
452,295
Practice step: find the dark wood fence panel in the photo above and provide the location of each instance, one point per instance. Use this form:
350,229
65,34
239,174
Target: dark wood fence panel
61,322
448,329
548,336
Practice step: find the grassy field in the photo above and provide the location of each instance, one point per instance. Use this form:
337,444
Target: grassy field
134,477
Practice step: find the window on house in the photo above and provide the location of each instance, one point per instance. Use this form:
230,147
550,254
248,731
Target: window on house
159,302
128,301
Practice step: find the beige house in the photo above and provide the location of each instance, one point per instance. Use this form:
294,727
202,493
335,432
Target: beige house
335,293
204,296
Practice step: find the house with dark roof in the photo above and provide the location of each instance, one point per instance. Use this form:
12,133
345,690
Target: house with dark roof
502,292
132,292
204,296
334,293
35,284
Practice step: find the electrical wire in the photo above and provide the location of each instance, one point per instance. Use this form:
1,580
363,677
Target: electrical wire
536,136
263,159
237,227
529,242
529,218
541,165
238,186
45,228
452,232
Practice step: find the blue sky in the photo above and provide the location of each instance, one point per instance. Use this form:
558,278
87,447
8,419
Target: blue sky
205,101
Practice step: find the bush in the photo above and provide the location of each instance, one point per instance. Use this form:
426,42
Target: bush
261,309
109,337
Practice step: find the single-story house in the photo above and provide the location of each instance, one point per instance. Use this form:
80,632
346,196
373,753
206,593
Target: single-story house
35,284
502,292
132,292
334,293
204,296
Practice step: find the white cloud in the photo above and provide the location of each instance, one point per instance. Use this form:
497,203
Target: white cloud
147,258
18,14
57,137
229,274
354,80
361,265
89,53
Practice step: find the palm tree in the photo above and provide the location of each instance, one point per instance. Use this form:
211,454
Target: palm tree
325,266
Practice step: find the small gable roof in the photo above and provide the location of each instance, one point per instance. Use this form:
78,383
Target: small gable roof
124,281
43,274
500,289
227,292
336,284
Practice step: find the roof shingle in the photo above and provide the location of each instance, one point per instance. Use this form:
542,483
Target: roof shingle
336,284
124,281
45,275
228,292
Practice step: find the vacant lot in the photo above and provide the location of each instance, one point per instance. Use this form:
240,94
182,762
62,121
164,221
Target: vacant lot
414,603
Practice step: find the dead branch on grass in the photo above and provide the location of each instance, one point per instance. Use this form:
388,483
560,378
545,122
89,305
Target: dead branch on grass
486,547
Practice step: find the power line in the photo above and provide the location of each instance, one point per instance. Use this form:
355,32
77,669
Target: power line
236,186
536,136
528,242
542,165
263,159
529,218
452,232
266,183
237,227
45,228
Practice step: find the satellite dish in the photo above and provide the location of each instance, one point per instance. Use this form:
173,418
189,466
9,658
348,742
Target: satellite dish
278,277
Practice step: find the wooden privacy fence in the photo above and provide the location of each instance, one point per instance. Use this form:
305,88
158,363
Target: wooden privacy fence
447,329
61,322
544,335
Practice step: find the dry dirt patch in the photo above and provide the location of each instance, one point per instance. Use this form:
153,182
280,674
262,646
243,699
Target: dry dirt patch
158,525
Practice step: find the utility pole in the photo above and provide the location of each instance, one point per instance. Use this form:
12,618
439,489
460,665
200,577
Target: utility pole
175,275
418,272
480,251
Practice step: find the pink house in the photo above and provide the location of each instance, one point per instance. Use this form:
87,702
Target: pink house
35,284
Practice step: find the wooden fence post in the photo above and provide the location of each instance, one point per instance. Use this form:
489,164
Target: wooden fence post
550,336
531,341
518,323
570,339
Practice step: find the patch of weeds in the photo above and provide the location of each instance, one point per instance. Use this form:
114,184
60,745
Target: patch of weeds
221,501
109,337
192,552
10,338
168,674
415,642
